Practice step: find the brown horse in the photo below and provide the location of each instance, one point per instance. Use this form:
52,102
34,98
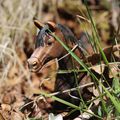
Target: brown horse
48,48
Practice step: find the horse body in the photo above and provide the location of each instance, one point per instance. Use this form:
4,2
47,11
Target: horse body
47,48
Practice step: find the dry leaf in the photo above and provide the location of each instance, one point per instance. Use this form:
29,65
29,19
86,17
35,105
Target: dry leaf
96,93
98,68
49,72
114,69
86,115
16,117
5,107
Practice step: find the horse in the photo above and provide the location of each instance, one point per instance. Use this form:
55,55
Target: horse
48,48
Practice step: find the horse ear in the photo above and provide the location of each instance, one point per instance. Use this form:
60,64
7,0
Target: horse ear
38,24
51,25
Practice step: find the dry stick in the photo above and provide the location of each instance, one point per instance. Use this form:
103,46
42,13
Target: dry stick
72,89
68,53
83,18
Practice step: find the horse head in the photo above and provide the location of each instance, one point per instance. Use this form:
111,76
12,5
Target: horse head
46,46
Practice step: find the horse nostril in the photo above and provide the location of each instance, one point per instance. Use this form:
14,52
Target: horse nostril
34,64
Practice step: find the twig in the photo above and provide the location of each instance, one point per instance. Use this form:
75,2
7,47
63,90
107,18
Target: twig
73,89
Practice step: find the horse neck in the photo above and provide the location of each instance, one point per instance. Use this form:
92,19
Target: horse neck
68,62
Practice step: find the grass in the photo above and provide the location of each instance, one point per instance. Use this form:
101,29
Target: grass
16,20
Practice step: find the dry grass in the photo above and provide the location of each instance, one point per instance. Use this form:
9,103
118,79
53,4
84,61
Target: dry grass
15,21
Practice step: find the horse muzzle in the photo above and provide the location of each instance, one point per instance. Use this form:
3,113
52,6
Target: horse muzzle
34,64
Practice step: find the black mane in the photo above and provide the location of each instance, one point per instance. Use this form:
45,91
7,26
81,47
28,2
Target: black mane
68,35
41,33
82,42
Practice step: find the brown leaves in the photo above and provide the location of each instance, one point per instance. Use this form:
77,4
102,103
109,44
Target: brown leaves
10,114
48,74
108,51
1,117
112,72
